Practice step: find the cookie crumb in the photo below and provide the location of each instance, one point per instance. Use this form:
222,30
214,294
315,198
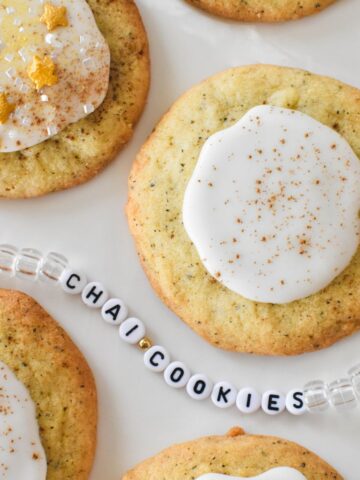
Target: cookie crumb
235,432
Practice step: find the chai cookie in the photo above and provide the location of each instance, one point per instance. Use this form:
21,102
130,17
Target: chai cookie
61,119
262,10
59,382
235,456
180,275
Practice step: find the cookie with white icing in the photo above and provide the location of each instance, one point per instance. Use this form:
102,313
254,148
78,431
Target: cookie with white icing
48,378
235,456
201,281
262,10
62,119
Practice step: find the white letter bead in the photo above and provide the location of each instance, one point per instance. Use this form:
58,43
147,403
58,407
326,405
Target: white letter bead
295,403
132,330
223,395
114,311
248,400
177,375
73,281
273,402
94,295
156,359
199,387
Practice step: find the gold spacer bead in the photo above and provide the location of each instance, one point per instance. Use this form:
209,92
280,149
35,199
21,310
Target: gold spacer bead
145,343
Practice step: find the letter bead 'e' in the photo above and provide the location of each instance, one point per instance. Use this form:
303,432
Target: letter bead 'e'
273,402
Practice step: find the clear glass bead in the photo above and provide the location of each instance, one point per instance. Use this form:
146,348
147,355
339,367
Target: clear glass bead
7,259
52,267
342,394
28,263
354,374
316,396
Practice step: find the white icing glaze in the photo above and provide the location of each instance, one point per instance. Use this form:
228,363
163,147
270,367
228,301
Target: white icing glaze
21,453
272,205
82,60
281,473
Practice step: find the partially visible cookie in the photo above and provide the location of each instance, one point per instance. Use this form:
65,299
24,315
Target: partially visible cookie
59,380
262,10
157,185
84,148
235,454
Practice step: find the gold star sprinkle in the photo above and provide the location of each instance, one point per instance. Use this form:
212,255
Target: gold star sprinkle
54,16
41,71
6,108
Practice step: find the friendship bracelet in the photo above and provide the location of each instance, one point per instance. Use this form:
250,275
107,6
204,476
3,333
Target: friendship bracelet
53,269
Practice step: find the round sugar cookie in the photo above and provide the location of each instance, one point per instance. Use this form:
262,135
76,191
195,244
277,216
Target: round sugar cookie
157,184
60,383
233,455
262,10
84,148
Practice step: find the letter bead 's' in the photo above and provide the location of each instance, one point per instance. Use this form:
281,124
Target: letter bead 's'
8,255
316,396
199,387
223,395
52,267
177,375
295,403
114,311
248,400
94,295
342,394
73,281
156,359
273,402
132,330
27,264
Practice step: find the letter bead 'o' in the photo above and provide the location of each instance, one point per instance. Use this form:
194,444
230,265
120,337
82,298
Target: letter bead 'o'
156,359
177,375
199,387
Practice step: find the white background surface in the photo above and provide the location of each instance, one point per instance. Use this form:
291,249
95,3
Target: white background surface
139,413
